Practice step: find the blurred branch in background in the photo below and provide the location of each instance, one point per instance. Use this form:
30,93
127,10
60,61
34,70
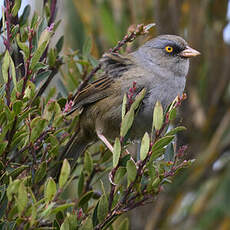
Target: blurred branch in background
203,204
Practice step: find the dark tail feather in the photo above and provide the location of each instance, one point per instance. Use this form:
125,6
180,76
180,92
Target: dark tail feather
73,149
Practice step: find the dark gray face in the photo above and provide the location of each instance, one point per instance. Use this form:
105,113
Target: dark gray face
169,53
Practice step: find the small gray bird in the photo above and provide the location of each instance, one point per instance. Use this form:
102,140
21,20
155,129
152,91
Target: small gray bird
160,66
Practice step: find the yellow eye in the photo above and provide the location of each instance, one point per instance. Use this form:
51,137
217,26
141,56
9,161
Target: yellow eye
169,49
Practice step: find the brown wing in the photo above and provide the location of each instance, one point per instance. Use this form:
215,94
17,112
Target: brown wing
113,65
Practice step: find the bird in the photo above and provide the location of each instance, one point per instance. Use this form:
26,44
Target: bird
159,66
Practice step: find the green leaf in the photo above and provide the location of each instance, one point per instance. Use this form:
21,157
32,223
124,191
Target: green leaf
37,54
127,123
124,160
59,44
16,7
119,175
13,72
151,170
42,75
87,225
40,173
124,224
116,152
172,114
37,125
17,107
65,172
161,143
156,182
156,154
87,196
14,31
25,15
22,198
47,210
23,46
144,146
138,99
123,111
50,189
61,208
65,225
45,36
5,66
3,145
33,215
52,57
175,130
80,184
17,171
103,208
94,216
34,21
158,116
88,163
12,188
131,170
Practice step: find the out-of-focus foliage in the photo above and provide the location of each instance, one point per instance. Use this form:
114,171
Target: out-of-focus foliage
203,202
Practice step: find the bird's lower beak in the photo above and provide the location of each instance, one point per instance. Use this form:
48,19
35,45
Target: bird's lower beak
189,52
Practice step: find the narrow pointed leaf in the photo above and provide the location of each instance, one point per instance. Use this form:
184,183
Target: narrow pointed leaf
22,197
116,152
88,163
158,116
13,73
5,66
50,189
16,7
131,170
175,130
102,208
87,225
161,143
123,111
65,172
138,99
85,198
144,146
127,123
119,175
23,46
37,54
172,114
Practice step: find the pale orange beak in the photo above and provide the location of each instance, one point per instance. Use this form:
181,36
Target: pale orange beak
189,52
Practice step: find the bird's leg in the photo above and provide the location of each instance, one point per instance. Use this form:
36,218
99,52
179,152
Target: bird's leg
105,141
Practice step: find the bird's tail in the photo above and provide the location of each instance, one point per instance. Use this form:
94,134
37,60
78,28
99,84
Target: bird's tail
74,149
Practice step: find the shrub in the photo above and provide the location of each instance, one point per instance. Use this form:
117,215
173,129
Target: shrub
34,131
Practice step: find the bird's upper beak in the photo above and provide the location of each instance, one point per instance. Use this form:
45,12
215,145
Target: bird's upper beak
189,52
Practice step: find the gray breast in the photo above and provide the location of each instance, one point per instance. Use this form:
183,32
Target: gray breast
164,91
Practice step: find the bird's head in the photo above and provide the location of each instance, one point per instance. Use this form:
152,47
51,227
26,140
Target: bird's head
168,53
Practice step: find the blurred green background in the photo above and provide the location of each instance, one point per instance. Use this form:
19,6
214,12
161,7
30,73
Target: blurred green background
200,198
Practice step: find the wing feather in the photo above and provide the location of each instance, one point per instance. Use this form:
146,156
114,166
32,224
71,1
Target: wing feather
113,66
